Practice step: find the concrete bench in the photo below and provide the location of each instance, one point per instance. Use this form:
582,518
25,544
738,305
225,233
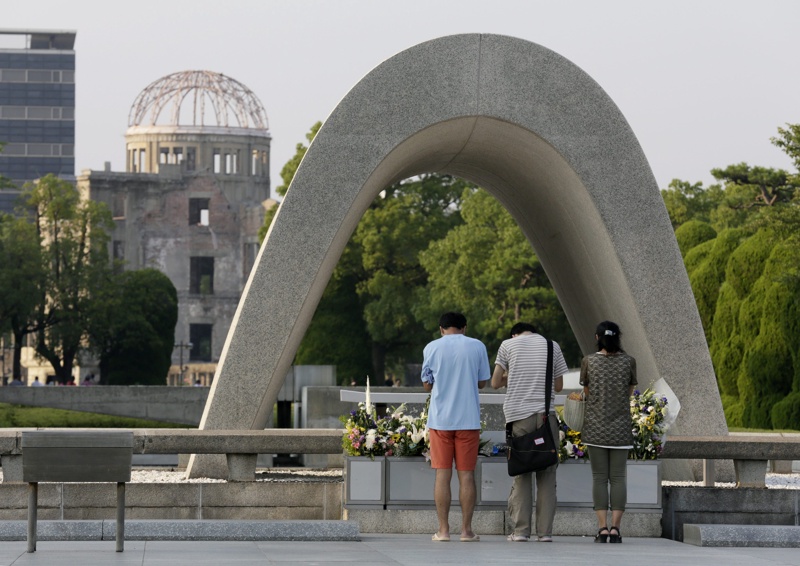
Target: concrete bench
750,454
79,456
241,447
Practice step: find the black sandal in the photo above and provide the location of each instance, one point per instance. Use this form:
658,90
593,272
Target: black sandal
600,536
614,537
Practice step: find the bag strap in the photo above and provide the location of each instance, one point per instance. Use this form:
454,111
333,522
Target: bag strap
548,384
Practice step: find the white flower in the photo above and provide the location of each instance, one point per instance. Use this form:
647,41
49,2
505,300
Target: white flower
369,442
416,435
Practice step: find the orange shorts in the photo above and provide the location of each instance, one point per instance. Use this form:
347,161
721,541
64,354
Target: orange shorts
461,445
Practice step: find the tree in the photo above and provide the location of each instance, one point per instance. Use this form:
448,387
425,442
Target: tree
132,328
486,269
748,187
397,227
690,201
21,281
74,237
746,283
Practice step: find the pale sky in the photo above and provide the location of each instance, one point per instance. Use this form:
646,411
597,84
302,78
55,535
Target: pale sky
703,84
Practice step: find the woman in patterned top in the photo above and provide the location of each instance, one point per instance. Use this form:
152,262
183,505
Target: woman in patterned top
608,378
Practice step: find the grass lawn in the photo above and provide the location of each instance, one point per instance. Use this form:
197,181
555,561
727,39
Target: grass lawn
16,416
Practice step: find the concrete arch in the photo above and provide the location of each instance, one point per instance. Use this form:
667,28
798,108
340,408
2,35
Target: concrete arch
543,138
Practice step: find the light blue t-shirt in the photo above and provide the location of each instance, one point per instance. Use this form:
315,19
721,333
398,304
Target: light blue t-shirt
455,364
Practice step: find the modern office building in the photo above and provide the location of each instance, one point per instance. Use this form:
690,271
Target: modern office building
37,106
191,201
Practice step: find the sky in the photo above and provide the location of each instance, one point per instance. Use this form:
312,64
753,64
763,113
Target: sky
702,83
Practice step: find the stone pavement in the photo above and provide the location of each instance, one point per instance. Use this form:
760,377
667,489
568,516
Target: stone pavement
391,549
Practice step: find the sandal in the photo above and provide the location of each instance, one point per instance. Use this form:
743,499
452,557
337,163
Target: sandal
614,537
600,536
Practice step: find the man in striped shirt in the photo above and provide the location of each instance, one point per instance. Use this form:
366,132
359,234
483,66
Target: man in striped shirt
521,366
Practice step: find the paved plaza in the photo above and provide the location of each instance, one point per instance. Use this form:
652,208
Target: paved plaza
391,549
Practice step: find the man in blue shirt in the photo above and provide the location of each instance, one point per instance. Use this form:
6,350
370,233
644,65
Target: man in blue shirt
453,369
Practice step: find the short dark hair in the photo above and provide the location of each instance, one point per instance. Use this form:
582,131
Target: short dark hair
608,336
454,319
521,327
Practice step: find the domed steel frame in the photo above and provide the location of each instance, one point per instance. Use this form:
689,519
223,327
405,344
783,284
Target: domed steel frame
233,104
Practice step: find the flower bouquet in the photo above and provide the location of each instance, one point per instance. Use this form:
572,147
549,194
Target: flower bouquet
648,414
394,434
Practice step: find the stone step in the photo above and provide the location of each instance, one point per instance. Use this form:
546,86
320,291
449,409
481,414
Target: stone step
185,530
775,536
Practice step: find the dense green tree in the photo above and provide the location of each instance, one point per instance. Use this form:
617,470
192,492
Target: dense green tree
708,274
21,281
486,269
692,233
74,236
397,227
132,328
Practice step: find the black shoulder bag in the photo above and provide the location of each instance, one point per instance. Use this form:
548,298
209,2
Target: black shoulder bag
536,450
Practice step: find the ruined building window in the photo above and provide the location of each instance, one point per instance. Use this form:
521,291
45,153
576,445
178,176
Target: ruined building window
163,155
191,158
177,155
198,212
200,337
119,249
201,276
217,160
254,163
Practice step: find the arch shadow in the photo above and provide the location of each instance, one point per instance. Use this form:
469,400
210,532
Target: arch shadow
545,140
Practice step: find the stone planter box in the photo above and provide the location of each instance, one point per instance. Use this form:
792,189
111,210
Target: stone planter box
365,484
408,483
574,483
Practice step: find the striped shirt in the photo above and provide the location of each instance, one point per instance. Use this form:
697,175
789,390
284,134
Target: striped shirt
525,360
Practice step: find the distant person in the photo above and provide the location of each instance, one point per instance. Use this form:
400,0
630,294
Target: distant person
71,382
36,382
608,377
88,380
197,383
16,382
521,366
454,368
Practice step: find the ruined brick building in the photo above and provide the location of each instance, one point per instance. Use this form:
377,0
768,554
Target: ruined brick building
191,201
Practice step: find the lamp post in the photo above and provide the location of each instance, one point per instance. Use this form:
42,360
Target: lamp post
181,346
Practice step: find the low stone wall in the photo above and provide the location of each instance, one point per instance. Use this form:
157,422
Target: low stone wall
258,500
720,506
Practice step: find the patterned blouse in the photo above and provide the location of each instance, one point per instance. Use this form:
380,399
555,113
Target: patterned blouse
607,421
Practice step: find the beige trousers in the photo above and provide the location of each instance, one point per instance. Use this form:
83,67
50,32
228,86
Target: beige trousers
520,501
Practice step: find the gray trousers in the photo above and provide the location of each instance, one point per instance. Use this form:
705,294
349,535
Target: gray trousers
520,501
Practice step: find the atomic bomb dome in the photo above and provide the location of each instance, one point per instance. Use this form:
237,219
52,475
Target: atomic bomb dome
191,202
200,120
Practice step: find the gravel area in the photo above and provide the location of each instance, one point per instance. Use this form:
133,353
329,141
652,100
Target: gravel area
271,475
154,475
773,481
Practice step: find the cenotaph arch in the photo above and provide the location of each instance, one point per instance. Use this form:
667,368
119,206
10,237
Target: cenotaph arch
544,139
